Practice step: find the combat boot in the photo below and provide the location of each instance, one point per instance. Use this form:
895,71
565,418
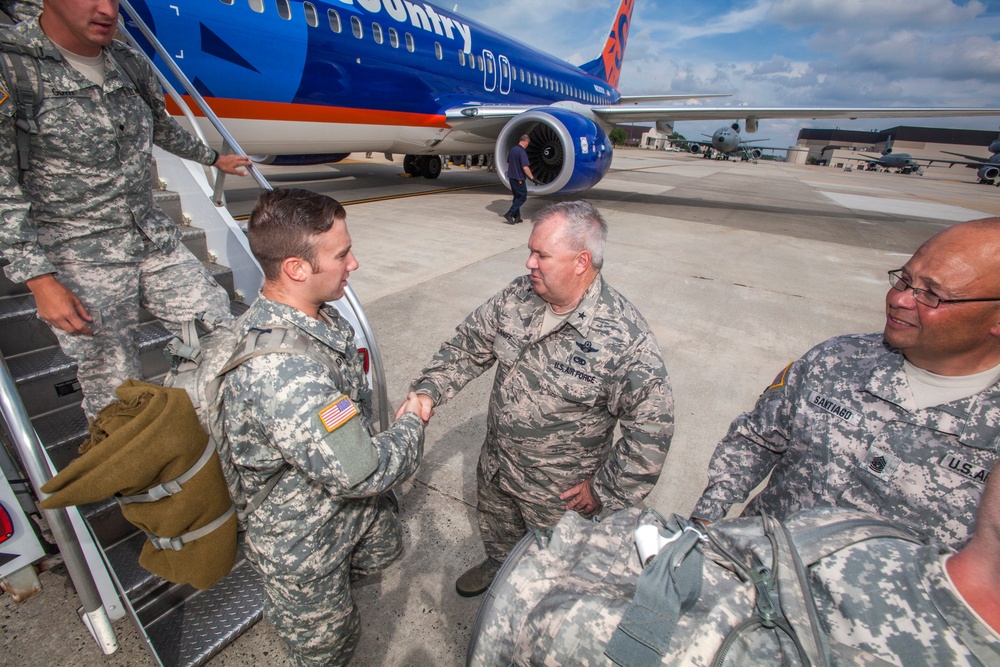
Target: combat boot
477,580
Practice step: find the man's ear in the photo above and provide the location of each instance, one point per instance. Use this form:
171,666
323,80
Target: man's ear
295,269
583,262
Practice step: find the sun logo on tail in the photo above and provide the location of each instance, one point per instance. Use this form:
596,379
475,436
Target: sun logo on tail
614,48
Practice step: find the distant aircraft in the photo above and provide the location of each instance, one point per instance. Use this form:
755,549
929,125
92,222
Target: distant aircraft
988,168
312,81
904,162
727,141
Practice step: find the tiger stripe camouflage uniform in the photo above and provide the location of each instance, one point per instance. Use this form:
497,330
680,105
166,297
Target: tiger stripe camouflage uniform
85,212
325,522
840,427
554,406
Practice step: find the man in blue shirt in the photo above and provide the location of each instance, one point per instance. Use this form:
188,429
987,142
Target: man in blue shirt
517,170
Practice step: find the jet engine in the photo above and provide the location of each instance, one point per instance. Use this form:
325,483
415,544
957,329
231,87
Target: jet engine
695,148
755,153
988,173
568,151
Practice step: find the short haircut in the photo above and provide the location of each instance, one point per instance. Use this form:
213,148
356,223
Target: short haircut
584,227
524,137
285,223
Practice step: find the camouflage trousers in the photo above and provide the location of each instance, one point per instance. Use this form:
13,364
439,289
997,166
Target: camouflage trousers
504,518
173,286
317,618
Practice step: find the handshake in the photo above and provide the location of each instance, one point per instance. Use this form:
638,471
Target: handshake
421,405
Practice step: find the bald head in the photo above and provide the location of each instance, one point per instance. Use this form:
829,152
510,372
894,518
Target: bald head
974,244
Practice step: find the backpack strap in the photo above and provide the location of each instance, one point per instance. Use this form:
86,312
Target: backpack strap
27,91
668,586
167,489
131,70
177,543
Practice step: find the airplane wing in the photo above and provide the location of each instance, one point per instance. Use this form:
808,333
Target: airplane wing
976,161
647,113
642,99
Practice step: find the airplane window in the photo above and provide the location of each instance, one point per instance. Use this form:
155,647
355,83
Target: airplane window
377,33
311,17
334,18
409,42
461,58
393,38
437,51
513,73
227,2
482,65
257,6
489,66
472,61
356,27
284,10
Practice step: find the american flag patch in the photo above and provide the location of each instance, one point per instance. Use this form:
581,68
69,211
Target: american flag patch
337,413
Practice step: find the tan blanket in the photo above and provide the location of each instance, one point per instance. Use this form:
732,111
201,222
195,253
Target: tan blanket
149,436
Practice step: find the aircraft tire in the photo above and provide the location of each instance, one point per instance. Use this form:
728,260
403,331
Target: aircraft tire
410,165
430,166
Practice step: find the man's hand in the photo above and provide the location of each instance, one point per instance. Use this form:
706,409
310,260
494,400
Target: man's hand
231,164
581,499
420,404
58,306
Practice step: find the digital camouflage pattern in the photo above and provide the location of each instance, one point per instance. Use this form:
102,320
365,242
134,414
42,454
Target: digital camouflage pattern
556,399
881,597
86,212
840,427
325,519
21,10
87,196
173,286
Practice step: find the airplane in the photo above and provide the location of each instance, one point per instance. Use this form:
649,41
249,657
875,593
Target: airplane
904,162
988,169
311,81
727,141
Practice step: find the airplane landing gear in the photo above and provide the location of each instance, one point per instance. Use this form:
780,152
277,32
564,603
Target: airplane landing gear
428,166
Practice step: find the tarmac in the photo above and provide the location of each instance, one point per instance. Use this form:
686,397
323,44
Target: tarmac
739,268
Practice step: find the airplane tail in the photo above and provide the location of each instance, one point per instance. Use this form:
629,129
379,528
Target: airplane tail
608,65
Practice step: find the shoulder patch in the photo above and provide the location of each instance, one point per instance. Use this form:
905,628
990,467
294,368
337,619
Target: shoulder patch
3,96
337,413
779,379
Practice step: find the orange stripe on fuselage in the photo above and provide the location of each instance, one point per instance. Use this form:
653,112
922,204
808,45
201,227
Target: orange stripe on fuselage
309,113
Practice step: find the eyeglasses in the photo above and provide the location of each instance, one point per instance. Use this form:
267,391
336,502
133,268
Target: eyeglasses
929,299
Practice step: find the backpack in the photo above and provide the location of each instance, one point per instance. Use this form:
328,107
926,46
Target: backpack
580,594
27,92
200,359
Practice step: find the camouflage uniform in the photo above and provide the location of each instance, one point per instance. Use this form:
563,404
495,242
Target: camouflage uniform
21,10
554,406
325,521
85,211
840,427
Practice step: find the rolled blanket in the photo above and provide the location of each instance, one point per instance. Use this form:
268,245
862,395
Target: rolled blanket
149,437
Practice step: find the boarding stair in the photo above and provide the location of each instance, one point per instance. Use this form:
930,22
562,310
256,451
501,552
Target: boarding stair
44,424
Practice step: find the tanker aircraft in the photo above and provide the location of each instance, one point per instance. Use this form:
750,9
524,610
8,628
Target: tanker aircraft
311,81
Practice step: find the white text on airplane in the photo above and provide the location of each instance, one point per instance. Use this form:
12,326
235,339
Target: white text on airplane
420,16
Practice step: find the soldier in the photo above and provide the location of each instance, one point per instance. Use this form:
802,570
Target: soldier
574,358
80,227
904,423
326,521
20,10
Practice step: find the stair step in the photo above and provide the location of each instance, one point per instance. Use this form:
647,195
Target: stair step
187,627
170,203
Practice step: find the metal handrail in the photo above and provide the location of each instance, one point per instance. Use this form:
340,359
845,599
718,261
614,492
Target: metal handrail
228,140
29,449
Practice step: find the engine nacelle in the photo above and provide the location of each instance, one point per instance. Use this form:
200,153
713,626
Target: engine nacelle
568,152
751,125
298,160
989,172
695,148
755,153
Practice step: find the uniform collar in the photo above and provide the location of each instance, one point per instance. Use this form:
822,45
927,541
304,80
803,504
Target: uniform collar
335,336
533,308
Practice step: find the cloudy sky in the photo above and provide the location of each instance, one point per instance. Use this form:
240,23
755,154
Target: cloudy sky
841,53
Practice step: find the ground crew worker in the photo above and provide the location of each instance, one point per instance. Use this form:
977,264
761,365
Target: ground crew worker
326,521
574,358
518,173
81,229
905,424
